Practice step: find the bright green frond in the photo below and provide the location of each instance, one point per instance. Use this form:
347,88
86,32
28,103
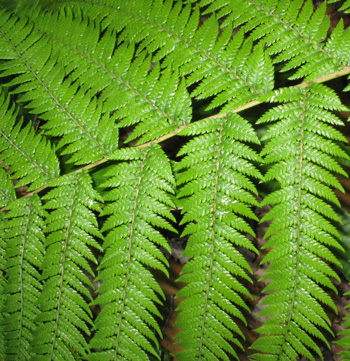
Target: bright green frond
7,190
137,205
65,316
72,114
24,249
129,83
345,340
29,155
299,224
294,33
222,66
218,228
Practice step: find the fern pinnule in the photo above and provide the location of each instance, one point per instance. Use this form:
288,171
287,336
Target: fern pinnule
217,191
24,249
34,71
301,234
65,318
7,190
137,205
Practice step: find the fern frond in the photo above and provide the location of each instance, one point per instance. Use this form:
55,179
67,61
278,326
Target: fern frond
30,156
345,7
217,191
345,341
222,66
7,190
24,247
129,84
300,222
137,201
294,33
65,317
71,113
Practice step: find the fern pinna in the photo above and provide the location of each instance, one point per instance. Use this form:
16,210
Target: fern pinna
125,122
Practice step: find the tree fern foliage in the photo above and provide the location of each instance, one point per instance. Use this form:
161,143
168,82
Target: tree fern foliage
218,191
125,123
126,328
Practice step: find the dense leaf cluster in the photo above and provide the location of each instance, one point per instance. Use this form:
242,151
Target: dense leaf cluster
90,91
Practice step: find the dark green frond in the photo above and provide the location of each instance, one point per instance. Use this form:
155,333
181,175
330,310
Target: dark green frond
65,317
345,341
217,188
138,203
300,222
71,113
7,190
24,249
29,155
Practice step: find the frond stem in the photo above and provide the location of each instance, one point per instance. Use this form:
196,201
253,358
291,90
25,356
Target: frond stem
322,79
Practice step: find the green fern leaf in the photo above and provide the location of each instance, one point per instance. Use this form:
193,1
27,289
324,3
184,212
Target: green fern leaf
299,225
29,156
47,91
345,341
137,202
294,34
7,191
121,80
24,247
65,316
215,190
173,34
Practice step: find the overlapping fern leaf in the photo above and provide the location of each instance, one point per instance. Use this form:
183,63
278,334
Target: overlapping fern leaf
295,34
65,317
30,64
218,191
23,240
130,86
301,149
7,195
137,196
7,190
30,156
345,341
224,67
